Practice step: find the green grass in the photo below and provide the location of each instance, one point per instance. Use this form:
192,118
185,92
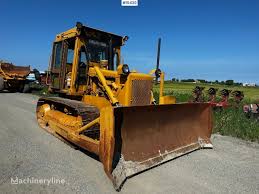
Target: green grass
250,92
233,122
43,92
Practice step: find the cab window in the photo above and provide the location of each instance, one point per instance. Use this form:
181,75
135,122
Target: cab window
57,55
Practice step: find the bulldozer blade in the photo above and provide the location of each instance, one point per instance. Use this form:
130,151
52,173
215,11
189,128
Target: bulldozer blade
146,136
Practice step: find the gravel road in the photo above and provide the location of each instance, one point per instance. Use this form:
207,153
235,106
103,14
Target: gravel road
28,152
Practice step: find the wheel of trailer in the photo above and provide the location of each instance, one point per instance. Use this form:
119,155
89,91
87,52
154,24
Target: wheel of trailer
1,83
21,87
26,88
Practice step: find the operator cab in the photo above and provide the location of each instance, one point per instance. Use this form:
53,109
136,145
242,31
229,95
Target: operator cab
77,49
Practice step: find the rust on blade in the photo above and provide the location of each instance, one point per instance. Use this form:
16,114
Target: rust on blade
150,135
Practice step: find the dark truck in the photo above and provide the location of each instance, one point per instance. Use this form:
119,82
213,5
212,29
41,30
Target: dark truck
17,78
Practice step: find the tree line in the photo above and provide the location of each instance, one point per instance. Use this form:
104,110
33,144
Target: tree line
227,82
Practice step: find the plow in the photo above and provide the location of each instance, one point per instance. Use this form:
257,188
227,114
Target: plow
224,95
252,110
109,110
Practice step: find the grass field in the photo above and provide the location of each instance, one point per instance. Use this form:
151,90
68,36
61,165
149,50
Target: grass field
251,93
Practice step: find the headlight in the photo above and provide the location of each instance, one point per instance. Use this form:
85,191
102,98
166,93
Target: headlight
125,69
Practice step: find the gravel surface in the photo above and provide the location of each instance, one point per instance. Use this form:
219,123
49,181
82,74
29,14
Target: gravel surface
27,151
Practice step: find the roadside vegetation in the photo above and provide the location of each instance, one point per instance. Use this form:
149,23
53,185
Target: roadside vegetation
233,122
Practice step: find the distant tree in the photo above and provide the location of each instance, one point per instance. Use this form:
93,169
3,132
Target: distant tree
216,82
187,80
173,79
238,84
230,82
202,80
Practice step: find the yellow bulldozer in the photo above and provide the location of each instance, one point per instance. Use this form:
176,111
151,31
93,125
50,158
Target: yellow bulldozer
110,111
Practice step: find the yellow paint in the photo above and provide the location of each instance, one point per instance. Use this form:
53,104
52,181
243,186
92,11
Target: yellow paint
87,126
164,99
167,100
106,87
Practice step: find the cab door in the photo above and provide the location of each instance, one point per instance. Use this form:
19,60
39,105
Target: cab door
58,66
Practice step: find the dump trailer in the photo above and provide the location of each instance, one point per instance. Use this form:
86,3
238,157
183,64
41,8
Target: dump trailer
108,110
13,78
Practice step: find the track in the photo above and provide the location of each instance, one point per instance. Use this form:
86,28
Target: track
74,108
77,108
28,151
